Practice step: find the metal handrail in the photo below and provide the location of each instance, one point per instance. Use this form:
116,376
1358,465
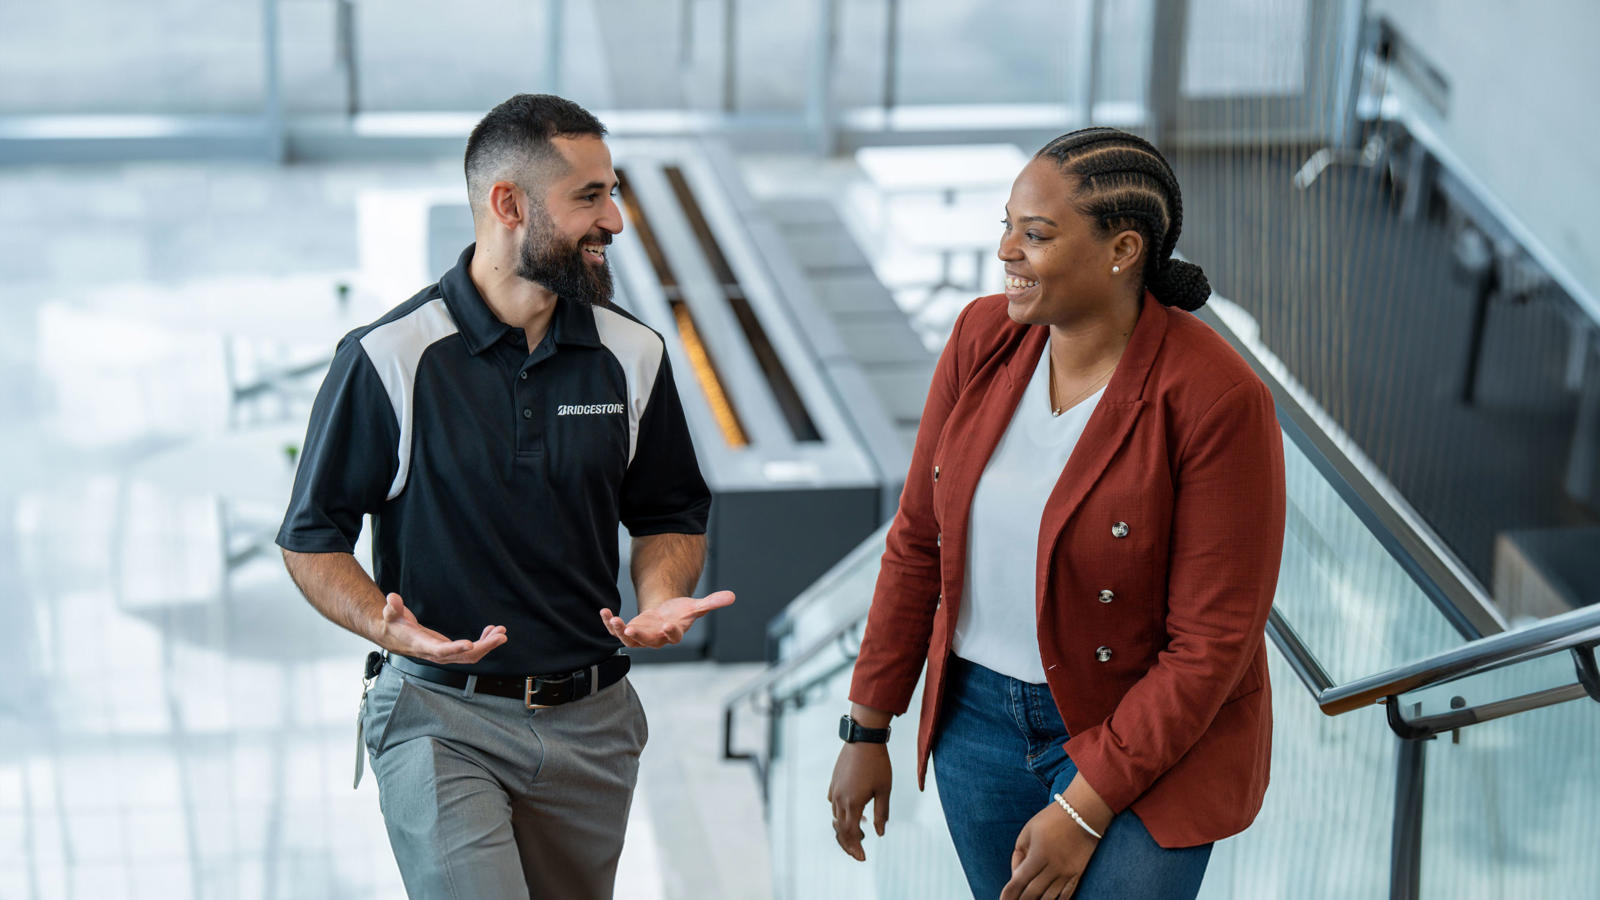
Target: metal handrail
1577,631
1570,630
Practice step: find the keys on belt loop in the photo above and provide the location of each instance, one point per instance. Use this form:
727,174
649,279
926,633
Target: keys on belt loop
369,674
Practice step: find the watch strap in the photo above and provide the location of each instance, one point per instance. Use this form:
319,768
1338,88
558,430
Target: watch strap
853,732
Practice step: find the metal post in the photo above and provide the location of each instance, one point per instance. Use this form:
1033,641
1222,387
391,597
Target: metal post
819,99
1582,480
685,33
891,58
1405,847
554,26
1588,670
346,30
1488,286
1090,73
1170,35
272,107
730,53
1354,40
1419,171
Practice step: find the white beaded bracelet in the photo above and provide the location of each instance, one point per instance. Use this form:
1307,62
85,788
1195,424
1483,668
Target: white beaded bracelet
1075,817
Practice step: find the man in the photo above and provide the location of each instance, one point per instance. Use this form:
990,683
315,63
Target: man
497,427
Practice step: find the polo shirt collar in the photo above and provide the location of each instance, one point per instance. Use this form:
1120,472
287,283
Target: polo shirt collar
571,323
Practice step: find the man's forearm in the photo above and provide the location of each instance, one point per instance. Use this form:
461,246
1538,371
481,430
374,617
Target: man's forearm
337,586
665,566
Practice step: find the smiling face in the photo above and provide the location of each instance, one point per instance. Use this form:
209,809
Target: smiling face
1058,270
570,227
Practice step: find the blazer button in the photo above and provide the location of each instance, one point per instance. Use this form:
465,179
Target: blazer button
1103,654
938,539
935,473
1119,530
1107,596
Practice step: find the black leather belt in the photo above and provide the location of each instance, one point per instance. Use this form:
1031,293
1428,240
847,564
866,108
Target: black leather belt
535,691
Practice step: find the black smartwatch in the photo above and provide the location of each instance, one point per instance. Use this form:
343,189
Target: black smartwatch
853,732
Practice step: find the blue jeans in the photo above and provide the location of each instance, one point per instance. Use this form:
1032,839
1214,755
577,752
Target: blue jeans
998,761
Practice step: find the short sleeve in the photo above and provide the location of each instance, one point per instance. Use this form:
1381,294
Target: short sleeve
663,491
348,460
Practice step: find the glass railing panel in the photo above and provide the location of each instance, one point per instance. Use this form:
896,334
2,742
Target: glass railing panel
1356,609
1323,830
1510,805
914,858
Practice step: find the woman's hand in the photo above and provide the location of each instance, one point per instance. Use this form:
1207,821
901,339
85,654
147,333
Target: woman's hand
862,773
1052,852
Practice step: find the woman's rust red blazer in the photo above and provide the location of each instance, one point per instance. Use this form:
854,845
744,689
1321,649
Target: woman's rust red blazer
1156,564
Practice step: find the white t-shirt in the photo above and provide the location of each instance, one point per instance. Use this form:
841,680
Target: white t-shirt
997,627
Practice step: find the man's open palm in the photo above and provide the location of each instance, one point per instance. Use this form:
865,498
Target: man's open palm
665,623
403,634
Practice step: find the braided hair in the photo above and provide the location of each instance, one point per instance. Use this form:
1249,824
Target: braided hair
1124,183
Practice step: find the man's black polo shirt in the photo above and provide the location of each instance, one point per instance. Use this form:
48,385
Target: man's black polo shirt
496,478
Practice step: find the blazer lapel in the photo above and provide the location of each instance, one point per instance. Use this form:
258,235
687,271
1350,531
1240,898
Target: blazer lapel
1108,428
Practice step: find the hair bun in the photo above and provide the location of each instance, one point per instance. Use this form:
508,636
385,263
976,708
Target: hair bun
1181,284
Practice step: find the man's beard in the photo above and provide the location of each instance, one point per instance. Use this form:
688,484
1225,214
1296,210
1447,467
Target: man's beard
561,267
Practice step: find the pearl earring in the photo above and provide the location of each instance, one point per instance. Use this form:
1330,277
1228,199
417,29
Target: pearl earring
1115,269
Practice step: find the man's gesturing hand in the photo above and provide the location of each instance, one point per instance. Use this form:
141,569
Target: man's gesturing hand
404,635
666,622
1051,853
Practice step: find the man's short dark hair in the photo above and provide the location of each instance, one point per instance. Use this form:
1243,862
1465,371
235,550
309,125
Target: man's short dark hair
512,143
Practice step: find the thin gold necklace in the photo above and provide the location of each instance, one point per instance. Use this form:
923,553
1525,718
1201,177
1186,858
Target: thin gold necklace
1058,410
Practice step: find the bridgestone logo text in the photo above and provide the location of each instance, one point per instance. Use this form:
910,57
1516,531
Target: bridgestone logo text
589,409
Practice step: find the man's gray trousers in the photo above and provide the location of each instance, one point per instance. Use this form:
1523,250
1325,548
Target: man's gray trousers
486,799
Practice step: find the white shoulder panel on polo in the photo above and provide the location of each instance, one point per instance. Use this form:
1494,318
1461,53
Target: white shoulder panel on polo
639,350
395,348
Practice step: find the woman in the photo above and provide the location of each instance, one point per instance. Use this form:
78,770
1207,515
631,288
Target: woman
1085,553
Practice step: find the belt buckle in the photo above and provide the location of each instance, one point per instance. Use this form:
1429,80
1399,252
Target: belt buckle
533,683
529,686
